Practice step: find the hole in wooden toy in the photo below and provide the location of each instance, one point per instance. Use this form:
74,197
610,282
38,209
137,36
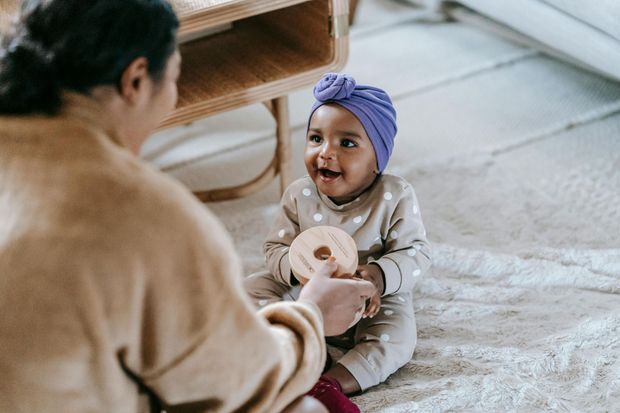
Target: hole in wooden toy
322,253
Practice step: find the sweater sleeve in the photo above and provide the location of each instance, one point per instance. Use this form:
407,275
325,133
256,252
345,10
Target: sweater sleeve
407,251
204,347
283,231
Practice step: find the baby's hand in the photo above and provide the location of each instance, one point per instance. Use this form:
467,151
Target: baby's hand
374,274
373,305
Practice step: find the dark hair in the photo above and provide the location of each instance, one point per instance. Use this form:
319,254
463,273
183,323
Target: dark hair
75,45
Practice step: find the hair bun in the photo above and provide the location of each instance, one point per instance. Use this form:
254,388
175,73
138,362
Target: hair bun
29,54
26,70
334,86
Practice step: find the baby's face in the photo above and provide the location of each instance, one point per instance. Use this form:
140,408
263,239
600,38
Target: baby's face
339,156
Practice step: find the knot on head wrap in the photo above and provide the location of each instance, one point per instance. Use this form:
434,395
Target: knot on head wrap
334,86
372,107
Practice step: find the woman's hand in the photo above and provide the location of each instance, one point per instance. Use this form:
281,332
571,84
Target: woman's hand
373,274
339,299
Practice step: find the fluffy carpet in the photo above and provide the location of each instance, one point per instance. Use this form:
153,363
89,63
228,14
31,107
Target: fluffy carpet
519,312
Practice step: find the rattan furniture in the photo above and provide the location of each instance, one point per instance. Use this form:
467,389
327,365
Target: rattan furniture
261,51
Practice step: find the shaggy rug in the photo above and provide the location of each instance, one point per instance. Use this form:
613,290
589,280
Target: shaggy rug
519,312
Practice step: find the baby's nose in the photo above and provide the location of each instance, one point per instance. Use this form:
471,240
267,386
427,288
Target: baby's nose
327,152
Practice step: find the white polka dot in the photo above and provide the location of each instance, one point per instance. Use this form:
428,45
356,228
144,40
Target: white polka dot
415,209
401,299
281,233
357,219
411,252
306,192
317,217
418,247
388,312
417,272
394,234
387,196
385,337
262,303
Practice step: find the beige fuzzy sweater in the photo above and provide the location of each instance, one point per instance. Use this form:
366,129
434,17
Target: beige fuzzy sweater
115,284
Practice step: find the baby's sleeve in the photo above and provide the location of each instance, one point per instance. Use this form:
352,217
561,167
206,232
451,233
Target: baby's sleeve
281,234
407,251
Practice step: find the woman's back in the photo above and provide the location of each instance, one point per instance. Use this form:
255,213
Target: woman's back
92,244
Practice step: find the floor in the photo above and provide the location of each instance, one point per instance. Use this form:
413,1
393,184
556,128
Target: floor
515,158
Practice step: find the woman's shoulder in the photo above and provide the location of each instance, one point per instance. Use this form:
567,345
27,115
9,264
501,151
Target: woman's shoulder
121,188
156,212
157,198
87,190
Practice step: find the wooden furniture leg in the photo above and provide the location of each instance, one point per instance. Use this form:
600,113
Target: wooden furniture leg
280,164
284,152
352,8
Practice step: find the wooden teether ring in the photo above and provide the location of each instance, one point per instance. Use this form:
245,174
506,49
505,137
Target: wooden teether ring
312,247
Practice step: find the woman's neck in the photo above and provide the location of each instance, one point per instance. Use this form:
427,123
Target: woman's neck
91,111
102,109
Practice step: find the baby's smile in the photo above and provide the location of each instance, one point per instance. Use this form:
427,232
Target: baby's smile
328,175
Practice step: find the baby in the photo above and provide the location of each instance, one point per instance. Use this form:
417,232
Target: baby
350,137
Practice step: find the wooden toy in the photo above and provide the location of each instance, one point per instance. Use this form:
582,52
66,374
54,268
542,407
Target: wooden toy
312,247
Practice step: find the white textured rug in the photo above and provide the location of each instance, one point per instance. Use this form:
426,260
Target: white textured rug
520,312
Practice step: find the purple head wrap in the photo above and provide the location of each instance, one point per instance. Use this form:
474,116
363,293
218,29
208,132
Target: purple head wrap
372,106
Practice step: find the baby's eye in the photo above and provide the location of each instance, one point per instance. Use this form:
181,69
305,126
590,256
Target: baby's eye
315,138
348,143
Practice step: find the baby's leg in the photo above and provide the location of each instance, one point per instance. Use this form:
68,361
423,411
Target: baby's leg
263,288
384,343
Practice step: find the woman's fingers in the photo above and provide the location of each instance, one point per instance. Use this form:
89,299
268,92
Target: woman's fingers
338,299
328,269
365,289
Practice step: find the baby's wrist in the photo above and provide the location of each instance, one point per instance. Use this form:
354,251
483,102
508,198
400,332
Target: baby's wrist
378,278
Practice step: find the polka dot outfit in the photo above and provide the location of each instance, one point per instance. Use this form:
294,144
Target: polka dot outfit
386,224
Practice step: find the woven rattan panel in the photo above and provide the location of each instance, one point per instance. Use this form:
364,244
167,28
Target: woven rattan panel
197,15
260,57
188,7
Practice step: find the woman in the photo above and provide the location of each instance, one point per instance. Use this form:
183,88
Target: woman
118,290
